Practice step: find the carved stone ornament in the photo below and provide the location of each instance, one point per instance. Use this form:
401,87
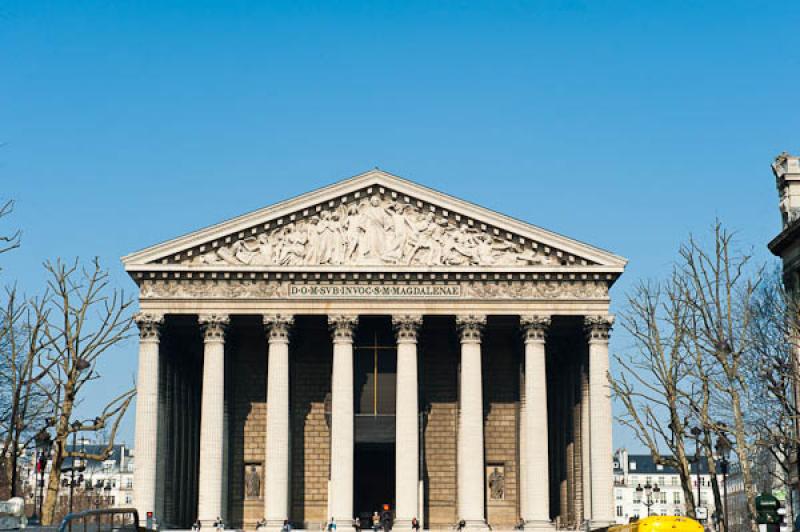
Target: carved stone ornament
534,328
342,327
406,327
278,327
378,230
598,328
272,289
214,326
470,327
149,326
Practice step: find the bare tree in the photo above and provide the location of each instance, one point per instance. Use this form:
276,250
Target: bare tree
8,241
87,318
22,406
652,383
718,289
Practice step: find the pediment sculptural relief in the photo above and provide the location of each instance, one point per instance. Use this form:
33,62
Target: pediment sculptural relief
375,231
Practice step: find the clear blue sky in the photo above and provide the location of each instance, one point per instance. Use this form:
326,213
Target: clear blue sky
622,124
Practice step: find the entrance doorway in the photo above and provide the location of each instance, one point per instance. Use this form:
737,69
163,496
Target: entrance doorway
374,480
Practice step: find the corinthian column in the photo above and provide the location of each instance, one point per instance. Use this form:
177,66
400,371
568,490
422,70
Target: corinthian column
537,464
471,489
147,400
598,329
342,437
276,498
406,422
212,421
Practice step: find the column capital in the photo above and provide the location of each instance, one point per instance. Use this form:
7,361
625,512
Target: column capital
342,327
406,327
598,328
278,326
214,326
534,328
149,326
470,327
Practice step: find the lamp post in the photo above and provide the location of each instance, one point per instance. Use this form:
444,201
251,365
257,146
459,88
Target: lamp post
724,451
648,492
696,434
43,442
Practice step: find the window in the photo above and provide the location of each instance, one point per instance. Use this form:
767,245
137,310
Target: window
129,483
676,497
619,511
632,466
128,499
637,497
619,495
659,467
649,480
675,481
660,481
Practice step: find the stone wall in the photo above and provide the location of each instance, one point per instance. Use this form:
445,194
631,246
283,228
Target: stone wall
311,355
438,374
246,374
501,359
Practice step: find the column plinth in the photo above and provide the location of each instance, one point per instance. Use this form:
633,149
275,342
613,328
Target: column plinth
147,413
471,469
212,421
277,471
537,464
342,435
406,422
598,329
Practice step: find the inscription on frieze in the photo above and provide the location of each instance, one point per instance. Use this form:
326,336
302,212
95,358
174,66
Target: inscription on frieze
373,291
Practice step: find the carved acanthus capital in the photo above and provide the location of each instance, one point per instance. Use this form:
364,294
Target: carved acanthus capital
342,327
278,327
406,327
598,328
534,328
149,326
214,326
470,327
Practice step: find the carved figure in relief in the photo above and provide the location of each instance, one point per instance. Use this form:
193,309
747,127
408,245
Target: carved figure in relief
497,484
374,230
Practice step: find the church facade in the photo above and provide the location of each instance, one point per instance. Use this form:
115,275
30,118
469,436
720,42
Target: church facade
372,343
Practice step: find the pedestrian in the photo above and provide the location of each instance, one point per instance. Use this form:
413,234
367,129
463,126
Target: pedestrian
357,523
287,527
332,525
376,522
414,524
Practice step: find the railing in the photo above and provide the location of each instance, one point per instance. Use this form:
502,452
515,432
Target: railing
107,519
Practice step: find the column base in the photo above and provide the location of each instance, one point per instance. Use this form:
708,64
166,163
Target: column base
595,524
539,526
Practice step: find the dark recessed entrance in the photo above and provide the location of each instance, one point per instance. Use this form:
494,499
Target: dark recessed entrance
374,479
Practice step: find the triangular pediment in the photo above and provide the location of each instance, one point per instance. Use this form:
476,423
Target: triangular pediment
373,220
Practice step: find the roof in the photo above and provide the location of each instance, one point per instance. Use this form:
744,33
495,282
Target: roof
645,465
159,257
116,452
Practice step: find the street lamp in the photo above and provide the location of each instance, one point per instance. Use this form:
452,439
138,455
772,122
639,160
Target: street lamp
43,443
724,451
696,432
648,492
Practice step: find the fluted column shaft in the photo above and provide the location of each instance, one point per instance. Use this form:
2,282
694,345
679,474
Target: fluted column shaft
342,436
471,485
147,414
276,498
598,329
212,421
537,492
406,422
586,445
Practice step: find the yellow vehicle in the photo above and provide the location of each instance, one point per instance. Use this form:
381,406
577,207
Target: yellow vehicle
660,523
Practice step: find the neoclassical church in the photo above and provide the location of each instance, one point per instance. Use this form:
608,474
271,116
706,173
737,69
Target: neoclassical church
372,343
